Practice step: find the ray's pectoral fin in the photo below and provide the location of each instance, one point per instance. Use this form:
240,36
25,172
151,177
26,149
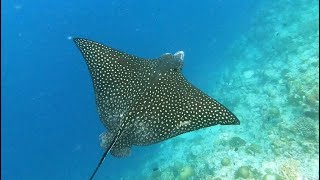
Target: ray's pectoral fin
120,148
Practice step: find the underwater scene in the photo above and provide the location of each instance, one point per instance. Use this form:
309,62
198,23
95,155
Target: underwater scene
259,59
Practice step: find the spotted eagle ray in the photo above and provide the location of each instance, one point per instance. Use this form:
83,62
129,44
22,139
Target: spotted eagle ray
145,101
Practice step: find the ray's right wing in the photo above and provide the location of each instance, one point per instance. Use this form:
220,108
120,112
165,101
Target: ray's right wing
174,106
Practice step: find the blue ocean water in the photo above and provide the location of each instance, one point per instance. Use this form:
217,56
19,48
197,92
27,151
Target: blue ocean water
50,126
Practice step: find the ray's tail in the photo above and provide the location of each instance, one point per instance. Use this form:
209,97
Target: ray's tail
103,157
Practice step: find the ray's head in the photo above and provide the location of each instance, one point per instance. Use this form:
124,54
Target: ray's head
172,62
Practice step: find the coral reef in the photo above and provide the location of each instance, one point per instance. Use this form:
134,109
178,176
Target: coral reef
290,169
242,172
225,162
306,129
253,149
271,177
236,142
247,172
186,173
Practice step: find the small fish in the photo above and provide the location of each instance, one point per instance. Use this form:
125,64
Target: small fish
146,101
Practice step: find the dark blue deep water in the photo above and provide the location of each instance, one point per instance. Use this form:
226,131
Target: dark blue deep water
50,126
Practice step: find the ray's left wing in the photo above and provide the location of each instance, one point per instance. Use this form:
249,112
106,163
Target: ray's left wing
118,79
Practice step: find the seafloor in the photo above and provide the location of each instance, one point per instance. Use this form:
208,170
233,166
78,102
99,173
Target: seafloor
272,85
